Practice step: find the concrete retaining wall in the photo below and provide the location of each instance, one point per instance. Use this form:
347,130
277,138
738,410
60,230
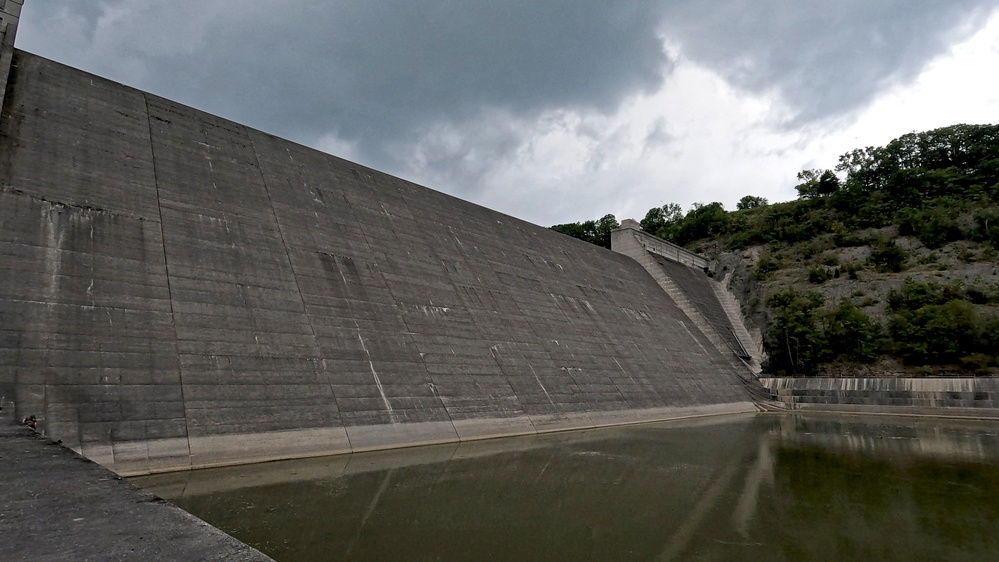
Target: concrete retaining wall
179,291
964,397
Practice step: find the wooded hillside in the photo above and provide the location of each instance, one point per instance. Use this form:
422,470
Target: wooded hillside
888,258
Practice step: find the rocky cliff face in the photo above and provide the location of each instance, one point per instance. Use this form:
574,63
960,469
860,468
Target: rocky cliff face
847,274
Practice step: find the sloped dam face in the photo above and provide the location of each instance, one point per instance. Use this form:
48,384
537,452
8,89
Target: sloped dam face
178,291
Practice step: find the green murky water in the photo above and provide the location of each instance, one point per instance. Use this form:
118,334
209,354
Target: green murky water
768,487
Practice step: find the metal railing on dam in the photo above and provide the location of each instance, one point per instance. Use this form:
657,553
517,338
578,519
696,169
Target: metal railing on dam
661,247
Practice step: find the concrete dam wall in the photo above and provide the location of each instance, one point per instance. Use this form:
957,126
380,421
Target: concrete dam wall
178,291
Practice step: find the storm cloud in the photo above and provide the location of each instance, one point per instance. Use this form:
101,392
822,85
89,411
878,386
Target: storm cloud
824,58
474,96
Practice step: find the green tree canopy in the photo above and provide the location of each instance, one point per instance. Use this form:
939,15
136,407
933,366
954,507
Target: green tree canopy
701,222
817,183
751,202
795,339
960,160
662,221
593,231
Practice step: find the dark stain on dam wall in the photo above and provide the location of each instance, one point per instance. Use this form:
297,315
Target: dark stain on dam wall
177,290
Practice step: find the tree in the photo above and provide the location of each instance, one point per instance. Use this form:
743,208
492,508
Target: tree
574,229
701,222
795,340
960,160
934,225
751,202
817,183
595,232
828,183
808,186
987,221
936,333
662,221
851,335
602,230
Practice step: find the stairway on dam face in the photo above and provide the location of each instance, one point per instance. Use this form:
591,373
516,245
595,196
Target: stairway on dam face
707,304
733,311
696,296
178,291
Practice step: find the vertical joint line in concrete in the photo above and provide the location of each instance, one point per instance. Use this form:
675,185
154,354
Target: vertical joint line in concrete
494,352
402,317
482,337
423,361
294,276
166,270
284,243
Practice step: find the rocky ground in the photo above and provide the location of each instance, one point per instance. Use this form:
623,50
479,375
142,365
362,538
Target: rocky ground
843,273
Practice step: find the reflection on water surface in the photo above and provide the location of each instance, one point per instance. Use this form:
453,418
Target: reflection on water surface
768,487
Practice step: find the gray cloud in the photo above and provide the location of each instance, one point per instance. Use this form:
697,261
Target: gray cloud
445,91
461,154
374,72
824,57
379,71
85,12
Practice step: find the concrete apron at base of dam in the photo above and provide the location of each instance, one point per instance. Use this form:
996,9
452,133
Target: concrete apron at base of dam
225,450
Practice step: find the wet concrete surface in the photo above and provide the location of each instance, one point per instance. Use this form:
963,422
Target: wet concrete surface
57,505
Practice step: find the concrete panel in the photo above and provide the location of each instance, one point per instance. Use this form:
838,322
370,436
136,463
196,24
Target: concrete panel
367,437
221,450
81,140
487,428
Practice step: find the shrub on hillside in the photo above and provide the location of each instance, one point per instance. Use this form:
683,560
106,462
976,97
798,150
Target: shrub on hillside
987,223
935,334
914,295
888,258
818,275
933,226
765,265
851,336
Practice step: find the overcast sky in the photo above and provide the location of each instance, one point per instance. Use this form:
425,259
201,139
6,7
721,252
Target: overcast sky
554,110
